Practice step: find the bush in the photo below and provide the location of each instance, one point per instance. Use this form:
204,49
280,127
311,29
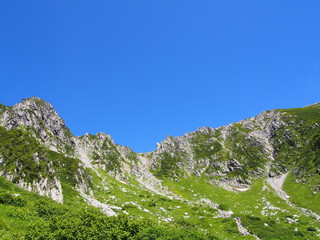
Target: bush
223,207
311,229
9,199
48,209
90,224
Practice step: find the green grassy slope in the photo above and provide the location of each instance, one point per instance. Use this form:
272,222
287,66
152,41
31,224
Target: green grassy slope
302,149
310,113
260,209
197,210
41,218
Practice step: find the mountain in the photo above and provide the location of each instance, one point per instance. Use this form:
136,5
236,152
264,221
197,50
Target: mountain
255,179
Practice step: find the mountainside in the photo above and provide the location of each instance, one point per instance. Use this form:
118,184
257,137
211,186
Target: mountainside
255,179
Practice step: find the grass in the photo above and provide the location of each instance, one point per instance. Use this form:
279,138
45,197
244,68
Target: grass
310,113
14,221
252,207
304,194
196,204
189,211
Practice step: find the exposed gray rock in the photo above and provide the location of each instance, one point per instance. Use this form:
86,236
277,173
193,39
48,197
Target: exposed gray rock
41,119
207,152
44,187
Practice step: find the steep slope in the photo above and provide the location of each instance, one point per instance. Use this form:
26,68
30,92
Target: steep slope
212,178
39,118
36,149
232,154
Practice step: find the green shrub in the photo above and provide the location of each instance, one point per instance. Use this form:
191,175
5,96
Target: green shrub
9,199
223,207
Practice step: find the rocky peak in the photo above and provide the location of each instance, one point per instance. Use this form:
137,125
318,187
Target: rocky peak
37,109
104,136
40,118
204,130
100,136
31,112
33,102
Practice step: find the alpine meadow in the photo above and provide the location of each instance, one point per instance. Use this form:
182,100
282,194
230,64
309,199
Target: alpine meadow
254,179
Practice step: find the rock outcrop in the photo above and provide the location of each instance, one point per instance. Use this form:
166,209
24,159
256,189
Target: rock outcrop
232,155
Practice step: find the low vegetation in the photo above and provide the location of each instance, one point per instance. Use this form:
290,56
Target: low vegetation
210,184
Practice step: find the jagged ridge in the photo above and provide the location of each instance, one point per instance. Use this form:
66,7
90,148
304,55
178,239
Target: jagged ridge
233,154
233,157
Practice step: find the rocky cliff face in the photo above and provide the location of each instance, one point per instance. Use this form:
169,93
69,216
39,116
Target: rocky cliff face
37,149
39,118
263,146
258,177
234,154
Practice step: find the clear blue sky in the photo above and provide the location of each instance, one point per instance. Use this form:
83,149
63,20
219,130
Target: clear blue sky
143,70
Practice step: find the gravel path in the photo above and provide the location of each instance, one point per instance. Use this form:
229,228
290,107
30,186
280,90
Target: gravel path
276,183
243,231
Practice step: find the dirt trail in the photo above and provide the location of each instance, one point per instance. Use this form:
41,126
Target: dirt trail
243,231
276,183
